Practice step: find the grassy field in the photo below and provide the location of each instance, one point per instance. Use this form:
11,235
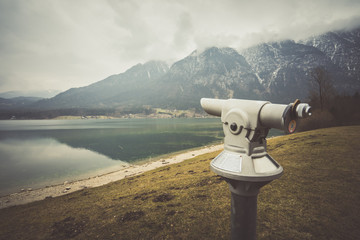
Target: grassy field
318,197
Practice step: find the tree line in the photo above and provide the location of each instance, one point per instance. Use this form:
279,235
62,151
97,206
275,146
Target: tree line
330,108
53,113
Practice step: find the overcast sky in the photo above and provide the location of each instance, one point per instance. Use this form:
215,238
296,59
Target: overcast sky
59,44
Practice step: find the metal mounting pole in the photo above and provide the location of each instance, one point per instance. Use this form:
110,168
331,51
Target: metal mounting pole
243,217
244,208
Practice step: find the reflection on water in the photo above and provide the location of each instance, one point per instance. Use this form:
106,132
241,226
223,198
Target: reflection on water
38,162
127,140
44,152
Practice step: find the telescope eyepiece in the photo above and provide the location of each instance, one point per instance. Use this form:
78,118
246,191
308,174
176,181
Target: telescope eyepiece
303,110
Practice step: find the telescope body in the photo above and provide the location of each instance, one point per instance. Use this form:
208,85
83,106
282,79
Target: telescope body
246,124
261,113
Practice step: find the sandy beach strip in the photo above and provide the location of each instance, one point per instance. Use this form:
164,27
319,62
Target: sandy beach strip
31,195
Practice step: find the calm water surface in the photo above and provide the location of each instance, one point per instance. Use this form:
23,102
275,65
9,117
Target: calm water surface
36,153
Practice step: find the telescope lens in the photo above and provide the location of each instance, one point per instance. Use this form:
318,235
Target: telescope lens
292,126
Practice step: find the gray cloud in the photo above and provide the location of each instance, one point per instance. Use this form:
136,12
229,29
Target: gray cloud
58,44
184,31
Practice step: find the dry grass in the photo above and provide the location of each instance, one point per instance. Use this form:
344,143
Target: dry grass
317,198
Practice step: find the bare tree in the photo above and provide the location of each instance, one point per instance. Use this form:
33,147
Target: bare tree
322,90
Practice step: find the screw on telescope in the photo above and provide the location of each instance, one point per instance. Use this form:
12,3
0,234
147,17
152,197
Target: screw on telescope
233,127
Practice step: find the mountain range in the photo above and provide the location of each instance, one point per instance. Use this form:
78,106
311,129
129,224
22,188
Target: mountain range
275,71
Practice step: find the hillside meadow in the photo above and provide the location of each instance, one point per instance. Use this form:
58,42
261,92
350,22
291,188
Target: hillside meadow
317,198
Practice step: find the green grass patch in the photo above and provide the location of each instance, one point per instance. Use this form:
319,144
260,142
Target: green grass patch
317,198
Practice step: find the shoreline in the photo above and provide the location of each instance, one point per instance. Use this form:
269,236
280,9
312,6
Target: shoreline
33,195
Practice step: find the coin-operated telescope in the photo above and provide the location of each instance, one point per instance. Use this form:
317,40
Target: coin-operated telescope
244,163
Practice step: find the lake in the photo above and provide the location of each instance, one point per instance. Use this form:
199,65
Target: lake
37,153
